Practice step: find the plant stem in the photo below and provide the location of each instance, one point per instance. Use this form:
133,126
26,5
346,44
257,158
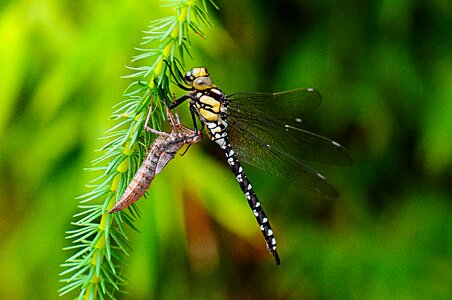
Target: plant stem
99,241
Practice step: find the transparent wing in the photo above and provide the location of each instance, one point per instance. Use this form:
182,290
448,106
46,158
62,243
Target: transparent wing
262,116
263,134
287,106
253,150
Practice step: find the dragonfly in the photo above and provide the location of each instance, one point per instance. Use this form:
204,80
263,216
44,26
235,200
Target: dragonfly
256,129
161,151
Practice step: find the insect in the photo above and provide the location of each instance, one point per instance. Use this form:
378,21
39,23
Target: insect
255,128
162,150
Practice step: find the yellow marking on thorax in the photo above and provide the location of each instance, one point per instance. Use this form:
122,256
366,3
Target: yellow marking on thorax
208,115
211,112
213,104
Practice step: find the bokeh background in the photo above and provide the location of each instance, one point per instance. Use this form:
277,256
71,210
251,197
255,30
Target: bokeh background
384,69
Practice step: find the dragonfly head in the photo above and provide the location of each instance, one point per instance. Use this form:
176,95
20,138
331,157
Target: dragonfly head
198,78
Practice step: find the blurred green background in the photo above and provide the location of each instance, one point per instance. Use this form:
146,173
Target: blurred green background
384,69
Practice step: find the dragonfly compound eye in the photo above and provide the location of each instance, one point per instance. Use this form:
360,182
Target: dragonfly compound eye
202,83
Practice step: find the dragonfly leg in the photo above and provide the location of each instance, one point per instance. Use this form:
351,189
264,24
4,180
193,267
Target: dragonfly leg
185,151
179,101
176,82
192,112
193,118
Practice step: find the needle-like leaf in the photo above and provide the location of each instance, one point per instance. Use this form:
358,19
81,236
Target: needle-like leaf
99,241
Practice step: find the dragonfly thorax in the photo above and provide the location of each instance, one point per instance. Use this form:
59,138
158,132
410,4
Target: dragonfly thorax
210,104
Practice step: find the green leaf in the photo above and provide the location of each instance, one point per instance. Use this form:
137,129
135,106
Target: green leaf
101,241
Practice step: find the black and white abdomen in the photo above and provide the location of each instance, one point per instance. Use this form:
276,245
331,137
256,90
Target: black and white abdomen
217,132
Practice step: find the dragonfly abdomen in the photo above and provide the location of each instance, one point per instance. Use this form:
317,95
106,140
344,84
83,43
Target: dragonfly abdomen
211,105
252,199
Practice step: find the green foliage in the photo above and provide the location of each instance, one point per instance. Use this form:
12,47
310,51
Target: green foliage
383,69
100,240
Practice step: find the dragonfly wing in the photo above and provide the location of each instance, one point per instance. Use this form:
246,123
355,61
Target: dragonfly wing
271,128
267,157
288,105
